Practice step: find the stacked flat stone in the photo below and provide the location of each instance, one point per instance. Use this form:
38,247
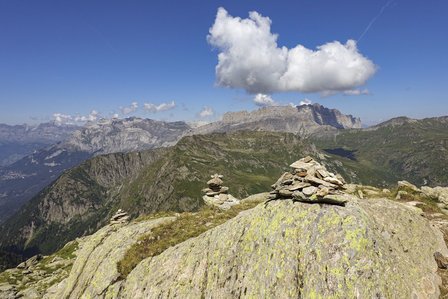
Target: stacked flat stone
217,195
310,182
119,217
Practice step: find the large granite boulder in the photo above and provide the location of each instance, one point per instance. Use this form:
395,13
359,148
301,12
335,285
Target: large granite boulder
284,249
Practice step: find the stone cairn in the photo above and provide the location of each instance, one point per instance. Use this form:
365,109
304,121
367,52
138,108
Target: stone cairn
119,217
309,182
217,195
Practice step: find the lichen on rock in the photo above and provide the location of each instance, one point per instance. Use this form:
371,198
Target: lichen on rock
373,247
94,273
291,249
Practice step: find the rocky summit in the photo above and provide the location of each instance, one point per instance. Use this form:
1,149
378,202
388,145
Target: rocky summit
309,182
217,195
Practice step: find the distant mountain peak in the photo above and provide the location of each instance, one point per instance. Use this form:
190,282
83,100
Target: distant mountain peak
333,117
304,119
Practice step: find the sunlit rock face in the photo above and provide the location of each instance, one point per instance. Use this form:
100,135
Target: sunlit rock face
304,120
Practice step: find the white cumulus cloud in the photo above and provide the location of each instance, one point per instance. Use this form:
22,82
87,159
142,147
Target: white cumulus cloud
92,116
61,118
129,109
250,59
305,102
264,100
154,108
206,111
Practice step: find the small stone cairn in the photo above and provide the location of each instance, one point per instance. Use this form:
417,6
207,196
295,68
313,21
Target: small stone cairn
309,182
217,195
119,217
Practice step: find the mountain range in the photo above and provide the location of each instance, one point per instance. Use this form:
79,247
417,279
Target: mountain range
20,181
170,175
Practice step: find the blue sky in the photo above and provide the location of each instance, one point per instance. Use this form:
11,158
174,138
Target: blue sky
72,57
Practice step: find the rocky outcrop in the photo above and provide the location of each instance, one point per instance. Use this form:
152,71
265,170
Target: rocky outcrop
439,193
373,247
217,195
309,182
32,278
85,267
332,117
94,273
304,120
367,248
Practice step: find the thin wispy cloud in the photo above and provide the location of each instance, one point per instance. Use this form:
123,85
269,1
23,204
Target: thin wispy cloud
250,58
356,92
383,8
